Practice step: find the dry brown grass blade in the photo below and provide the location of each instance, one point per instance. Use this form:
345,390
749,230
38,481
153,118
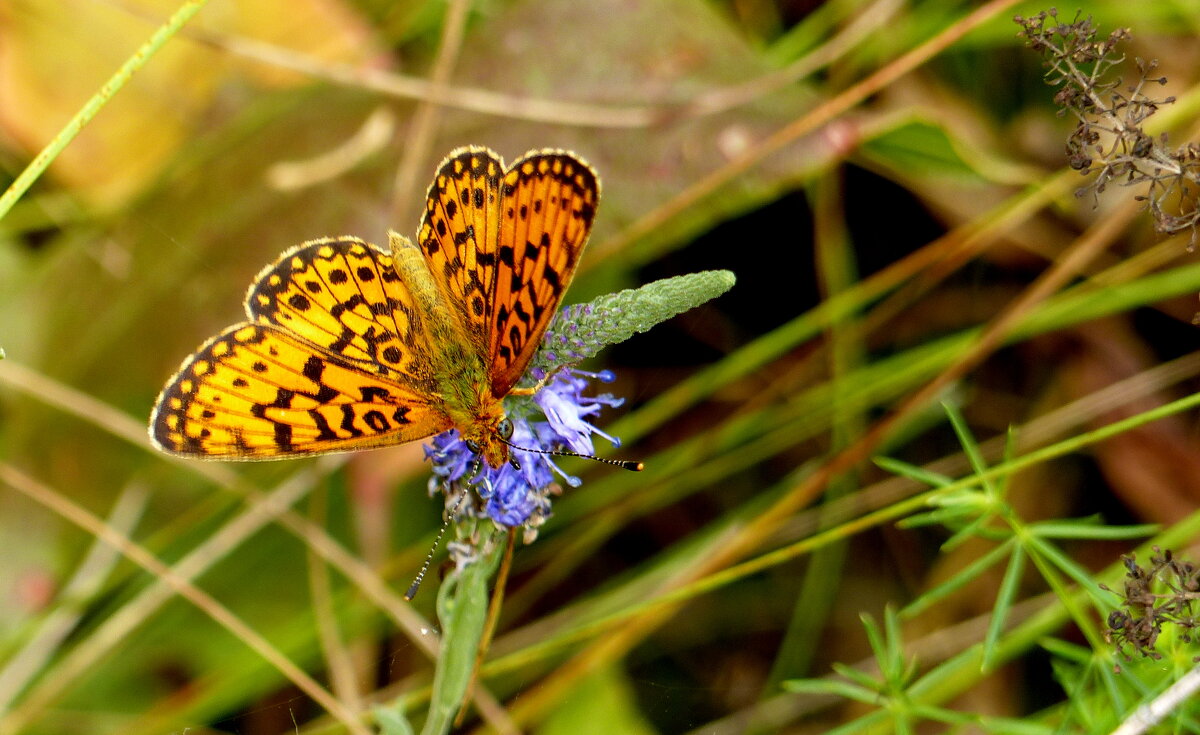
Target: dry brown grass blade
739,541
23,665
170,582
870,20
524,107
418,138
264,507
343,674
1037,433
823,114
90,410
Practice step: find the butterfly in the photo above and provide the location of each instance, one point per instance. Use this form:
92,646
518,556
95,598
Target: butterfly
349,347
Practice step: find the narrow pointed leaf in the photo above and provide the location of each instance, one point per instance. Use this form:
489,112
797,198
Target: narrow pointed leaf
1004,601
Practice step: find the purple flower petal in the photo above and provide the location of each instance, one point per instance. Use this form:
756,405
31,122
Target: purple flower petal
521,497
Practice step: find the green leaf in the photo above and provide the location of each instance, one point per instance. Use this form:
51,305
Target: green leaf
940,714
969,445
863,679
877,640
832,687
462,609
1116,686
912,472
1066,564
1004,603
920,146
964,575
1070,651
974,529
391,721
895,644
583,330
940,517
1086,528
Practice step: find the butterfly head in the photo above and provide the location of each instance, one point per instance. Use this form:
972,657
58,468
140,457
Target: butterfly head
490,441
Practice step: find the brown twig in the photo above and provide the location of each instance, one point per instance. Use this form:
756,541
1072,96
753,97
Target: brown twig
419,136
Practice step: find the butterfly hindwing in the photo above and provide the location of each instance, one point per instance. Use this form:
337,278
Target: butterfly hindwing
256,392
344,296
548,202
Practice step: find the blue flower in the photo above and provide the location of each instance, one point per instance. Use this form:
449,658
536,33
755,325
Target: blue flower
513,497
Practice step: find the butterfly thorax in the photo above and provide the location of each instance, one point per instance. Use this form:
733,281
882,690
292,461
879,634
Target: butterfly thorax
463,389
480,427
467,399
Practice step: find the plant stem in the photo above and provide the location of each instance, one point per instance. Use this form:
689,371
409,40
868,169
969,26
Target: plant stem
47,155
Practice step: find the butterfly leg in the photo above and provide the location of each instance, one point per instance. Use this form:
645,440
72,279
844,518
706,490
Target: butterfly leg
476,467
537,386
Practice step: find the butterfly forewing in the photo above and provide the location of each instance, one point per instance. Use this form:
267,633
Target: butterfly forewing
255,392
458,236
344,296
548,202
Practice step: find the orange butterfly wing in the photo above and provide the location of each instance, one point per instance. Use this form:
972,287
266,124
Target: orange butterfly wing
333,362
458,236
548,202
344,295
503,244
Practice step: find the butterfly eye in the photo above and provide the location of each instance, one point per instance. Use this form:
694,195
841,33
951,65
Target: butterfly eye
505,429
473,446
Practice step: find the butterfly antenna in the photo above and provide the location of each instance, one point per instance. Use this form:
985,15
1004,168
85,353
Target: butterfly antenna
416,584
623,464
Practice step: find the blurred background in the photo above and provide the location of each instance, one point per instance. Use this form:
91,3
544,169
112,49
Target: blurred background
887,180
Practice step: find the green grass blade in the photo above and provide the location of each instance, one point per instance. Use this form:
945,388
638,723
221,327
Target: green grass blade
894,639
832,688
862,678
47,155
1004,602
912,472
1082,577
969,445
391,722
1087,529
974,529
956,582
